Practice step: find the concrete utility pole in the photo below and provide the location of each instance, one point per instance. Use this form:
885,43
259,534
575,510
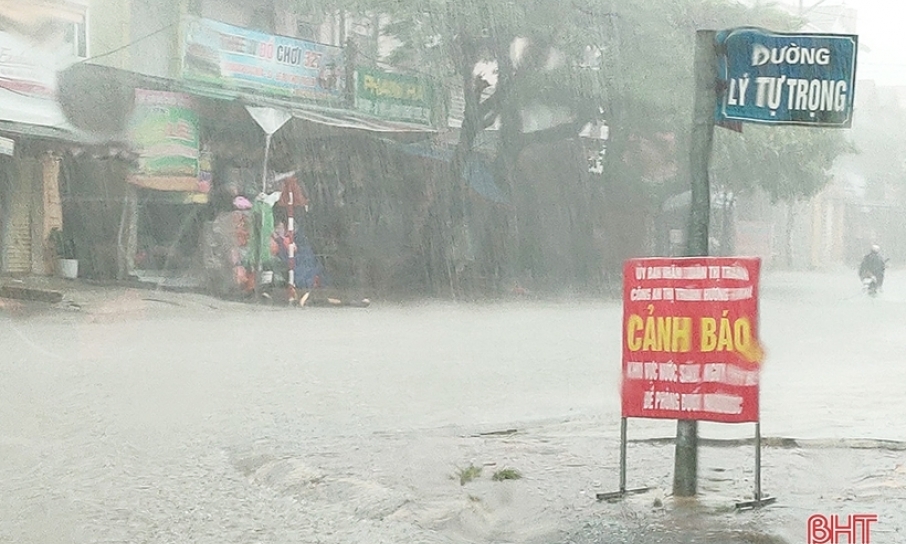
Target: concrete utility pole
685,472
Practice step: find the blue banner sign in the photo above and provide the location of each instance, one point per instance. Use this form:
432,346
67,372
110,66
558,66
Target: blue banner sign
238,58
786,79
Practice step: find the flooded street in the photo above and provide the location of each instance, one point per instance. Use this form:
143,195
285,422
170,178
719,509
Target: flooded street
139,420
348,272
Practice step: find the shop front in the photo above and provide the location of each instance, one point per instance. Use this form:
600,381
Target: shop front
35,138
273,124
217,199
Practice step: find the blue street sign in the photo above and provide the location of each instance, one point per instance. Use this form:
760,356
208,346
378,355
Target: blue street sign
786,79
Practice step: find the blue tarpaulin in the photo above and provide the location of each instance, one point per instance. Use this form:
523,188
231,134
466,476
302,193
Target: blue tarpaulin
476,171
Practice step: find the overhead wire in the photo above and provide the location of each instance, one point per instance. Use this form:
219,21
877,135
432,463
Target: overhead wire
128,45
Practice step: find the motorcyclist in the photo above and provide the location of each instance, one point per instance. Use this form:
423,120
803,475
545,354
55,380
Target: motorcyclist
873,266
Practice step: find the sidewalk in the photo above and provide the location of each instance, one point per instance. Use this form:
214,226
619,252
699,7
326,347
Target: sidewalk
562,465
34,295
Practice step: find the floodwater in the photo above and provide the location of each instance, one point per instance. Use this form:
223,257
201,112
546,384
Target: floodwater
149,420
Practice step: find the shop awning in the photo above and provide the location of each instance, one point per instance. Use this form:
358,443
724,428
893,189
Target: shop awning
39,117
60,134
13,128
36,117
353,120
333,118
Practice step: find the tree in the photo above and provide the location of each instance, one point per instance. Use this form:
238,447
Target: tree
645,95
508,59
789,164
628,61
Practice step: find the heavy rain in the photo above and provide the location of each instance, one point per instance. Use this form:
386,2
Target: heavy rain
342,271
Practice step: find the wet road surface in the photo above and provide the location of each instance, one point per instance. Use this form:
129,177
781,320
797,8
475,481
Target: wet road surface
137,420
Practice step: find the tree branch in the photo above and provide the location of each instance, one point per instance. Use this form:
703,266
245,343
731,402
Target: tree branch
555,134
585,10
489,120
492,103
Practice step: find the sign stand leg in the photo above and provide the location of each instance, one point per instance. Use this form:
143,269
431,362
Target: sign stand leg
757,460
616,495
623,456
759,499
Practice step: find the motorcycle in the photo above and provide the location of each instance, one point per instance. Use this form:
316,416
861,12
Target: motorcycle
870,285
869,277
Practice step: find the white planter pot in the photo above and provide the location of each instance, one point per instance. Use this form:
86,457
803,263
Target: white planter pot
68,268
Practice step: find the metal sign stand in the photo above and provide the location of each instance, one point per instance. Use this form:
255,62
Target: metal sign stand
617,495
760,500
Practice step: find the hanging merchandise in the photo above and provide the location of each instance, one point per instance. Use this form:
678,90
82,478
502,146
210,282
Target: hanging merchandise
263,221
292,194
227,243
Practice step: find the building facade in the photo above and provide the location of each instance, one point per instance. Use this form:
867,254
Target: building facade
204,73
34,134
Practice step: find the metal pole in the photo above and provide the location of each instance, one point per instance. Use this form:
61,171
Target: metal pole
259,265
267,153
623,456
685,475
685,468
758,460
291,232
702,141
